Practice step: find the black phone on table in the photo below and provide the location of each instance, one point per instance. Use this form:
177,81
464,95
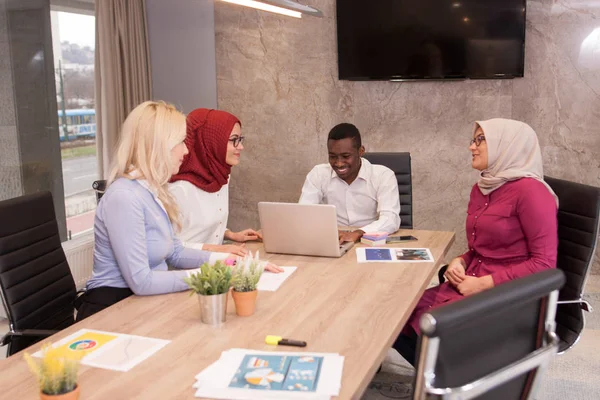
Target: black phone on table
398,239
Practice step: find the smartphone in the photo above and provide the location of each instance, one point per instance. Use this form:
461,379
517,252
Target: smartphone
398,239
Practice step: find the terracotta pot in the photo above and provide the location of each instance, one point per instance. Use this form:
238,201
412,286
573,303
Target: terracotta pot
245,302
72,395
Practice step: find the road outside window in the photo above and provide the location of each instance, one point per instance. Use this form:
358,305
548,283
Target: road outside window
73,39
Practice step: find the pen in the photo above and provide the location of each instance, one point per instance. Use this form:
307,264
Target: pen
278,340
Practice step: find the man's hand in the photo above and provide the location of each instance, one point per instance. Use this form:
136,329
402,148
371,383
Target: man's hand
455,273
471,285
353,236
244,236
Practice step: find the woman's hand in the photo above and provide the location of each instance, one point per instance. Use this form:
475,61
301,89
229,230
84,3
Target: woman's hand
273,268
471,284
239,250
233,259
243,236
235,249
455,273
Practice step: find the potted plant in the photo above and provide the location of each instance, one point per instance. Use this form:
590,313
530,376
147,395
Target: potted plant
211,285
56,373
246,275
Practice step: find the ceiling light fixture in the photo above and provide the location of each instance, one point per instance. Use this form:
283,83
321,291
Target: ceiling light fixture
285,7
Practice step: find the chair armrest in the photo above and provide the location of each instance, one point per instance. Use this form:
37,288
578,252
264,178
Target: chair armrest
538,358
78,301
26,333
35,332
584,304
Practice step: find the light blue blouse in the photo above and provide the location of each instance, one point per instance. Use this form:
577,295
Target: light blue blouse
134,241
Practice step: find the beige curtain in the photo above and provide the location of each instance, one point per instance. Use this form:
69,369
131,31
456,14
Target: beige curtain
122,70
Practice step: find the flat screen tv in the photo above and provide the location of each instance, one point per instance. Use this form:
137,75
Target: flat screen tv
430,39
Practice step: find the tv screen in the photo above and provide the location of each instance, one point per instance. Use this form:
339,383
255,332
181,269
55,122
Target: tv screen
430,39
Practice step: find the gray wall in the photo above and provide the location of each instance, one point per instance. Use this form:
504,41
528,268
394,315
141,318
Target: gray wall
30,153
279,76
182,52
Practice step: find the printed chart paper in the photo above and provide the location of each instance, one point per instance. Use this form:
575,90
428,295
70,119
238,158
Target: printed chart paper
114,351
393,255
253,374
292,373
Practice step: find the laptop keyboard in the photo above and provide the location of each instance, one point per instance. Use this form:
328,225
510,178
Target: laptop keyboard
346,246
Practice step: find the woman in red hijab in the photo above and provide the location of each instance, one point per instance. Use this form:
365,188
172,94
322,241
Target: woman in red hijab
215,142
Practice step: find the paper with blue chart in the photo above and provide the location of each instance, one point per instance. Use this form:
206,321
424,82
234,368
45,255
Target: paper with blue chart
294,373
254,374
393,255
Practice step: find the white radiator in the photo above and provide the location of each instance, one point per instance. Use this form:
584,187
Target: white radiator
80,256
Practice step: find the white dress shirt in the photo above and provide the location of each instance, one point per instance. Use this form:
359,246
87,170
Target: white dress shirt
371,202
203,214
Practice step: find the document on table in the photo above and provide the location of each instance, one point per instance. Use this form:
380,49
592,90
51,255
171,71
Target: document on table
393,255
270,281
253,374
108,350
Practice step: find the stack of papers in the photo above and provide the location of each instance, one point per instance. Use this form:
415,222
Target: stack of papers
251,374
270,281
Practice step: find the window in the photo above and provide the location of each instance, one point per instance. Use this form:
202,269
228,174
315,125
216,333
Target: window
73,40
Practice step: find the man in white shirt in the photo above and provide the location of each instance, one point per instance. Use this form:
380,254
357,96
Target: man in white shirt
365,195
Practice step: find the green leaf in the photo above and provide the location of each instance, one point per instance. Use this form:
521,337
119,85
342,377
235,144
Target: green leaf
212,279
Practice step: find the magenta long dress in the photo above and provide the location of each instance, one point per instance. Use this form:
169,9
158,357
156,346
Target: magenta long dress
512,232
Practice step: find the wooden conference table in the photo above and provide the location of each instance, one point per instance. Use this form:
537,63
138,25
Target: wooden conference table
336,305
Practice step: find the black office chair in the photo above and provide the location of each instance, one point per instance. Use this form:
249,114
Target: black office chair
400,164
494,345
36,284
578,219
100,187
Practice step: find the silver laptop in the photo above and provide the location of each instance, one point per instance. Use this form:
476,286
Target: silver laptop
304,229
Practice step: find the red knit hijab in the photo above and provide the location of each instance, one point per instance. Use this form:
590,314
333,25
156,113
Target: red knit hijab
206,139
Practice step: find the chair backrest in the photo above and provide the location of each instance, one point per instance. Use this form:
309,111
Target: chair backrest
485,345
36,284
100,187
400,164
578,218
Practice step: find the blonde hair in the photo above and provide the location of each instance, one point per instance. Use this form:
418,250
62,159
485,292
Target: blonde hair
148,135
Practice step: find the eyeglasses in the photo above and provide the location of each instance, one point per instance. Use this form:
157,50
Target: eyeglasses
237,140
477,140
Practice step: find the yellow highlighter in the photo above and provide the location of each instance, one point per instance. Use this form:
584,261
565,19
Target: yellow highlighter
278,340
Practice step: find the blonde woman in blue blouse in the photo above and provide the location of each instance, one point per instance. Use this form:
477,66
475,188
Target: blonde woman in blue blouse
137,218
